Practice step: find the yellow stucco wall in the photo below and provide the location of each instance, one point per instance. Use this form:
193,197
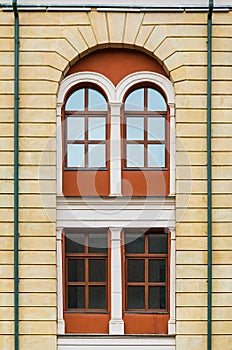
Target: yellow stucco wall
49,44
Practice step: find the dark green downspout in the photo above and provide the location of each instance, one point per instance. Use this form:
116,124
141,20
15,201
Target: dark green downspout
209,172
16,175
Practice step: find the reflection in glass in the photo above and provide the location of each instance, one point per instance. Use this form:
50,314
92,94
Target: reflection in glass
75,156
135,270
156,155
156,102
97,270
134,128
135,298
135,155
76,270
96,101
156,128
157,270
75,128
135,101
97,155
157,298
76,101
76,297
134,244
97,297
158,243
97,128
74,243
98,243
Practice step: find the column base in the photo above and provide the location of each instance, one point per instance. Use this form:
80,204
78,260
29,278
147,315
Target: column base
116,327
172,327
61,327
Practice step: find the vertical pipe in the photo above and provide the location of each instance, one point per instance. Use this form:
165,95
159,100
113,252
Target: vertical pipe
209,173
16,176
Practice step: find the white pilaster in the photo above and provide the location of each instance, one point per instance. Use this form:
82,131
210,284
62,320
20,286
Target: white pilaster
60,319
172,150
115,150
116,324
172,320
59,151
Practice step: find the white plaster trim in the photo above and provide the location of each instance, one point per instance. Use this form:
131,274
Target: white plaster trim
60,319
59,152
86,77
120,343
116,324
145,76
115,149
172,191
172,320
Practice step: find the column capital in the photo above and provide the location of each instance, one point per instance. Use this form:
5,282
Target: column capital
173,232
59,231
115,108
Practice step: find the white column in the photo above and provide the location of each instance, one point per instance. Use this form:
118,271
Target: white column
115,150
116,324
60,319
172,320
59,151
172,150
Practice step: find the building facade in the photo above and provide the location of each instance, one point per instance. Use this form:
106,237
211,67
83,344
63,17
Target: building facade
116,231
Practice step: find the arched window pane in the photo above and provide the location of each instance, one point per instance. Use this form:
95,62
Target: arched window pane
76,101
75,128
156,155
96,101
134,128
76,155
156,128
97,128
135,156
97,155
156,101
135,101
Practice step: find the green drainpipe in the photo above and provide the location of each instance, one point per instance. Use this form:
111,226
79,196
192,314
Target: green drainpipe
16,175
209,172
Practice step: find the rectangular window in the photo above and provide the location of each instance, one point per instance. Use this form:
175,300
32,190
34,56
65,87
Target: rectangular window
146,264
86,267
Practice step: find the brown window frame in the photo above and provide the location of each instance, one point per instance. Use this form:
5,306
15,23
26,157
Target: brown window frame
145,114
86,114
86,320
146,321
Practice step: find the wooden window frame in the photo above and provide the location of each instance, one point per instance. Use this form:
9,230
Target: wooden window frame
86,142
149,321
86,320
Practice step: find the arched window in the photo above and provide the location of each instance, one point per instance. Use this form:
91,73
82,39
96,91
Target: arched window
145,112
86,129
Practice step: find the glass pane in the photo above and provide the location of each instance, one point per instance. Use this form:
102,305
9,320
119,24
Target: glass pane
156,101
156,128
75,128
76,297
135,156
97,297
135,270
97,101
135,101
156,155
98,243
97,270
97,128
74,243
76,101
157,298
76,155
134,244
157,271
97,156
158,243
135,298
76,270
135,128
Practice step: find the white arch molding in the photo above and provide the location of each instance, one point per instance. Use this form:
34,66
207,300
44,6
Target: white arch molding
115,97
